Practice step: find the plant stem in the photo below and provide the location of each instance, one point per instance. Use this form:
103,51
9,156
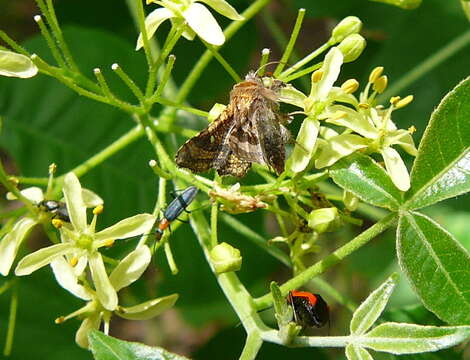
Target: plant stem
228,68
330,260
426,66
252,345
11,323
290,45
214,215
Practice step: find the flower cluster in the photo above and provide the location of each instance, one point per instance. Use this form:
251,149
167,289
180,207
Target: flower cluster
366,126
77,262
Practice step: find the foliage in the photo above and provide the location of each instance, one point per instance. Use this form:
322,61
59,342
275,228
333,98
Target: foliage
80,88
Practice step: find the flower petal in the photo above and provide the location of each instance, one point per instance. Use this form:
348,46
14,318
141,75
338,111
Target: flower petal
152,22
133,226
74,200
11,242
148,309
305,145
290,95
339,147
16,65
130,268
223,8
42,257
65,275
331,69
90,199
90,323
104,290
33,194
351,119
203,23
402,138
396,168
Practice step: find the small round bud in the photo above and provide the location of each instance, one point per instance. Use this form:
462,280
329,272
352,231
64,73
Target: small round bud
352,47
375,74
403,102
57,223
225,258
97,70
265,51
37,18
348,26
317,75
152,163
98,210
114,67
322,220
380,84
350,86
412,129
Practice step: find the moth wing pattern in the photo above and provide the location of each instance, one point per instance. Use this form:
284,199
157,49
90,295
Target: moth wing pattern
200,152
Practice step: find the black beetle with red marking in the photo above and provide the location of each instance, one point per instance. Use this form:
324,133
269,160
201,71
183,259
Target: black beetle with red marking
310,310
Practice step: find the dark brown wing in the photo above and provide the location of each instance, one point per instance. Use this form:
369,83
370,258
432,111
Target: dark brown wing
207,149
234,166
260,138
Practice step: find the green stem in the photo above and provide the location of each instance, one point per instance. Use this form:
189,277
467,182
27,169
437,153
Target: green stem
138,12
309,341
11,323
265,53
129,82
252,345
13,44
228,68
189,109
204,60
14,190
330,260
170,258
164,79
290,45
304,61
128,138
214,216
426,66
50,42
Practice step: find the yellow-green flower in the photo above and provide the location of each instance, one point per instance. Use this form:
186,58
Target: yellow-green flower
194,16
16,65
94,312
81,243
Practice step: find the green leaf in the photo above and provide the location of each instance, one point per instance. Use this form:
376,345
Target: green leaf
401,338
442,167
369,311
363,177
437,266
354,352
106,347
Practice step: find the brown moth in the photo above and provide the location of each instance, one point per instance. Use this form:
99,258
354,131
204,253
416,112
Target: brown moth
249,130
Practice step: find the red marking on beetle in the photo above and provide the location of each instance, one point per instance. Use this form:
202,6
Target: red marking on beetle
163,225
312,299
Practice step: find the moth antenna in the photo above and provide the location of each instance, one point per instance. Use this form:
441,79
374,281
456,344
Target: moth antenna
269,63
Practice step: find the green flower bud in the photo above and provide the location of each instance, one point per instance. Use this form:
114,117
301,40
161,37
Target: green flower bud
350,201
348,26
225,258
352,47
322,220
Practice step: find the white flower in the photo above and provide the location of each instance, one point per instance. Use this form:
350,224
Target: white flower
11,242
16,65
320,97
193,16
94,311
80,242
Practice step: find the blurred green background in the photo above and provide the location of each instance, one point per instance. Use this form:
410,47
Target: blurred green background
45,122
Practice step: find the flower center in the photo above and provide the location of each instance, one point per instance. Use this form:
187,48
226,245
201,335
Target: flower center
85,241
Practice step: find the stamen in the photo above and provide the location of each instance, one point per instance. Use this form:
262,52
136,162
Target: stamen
380,84
317,75
109,243
73,261
350,86
57,223
403,102
60,320
52,168
394,100
98,210
375,74
364,106
412,129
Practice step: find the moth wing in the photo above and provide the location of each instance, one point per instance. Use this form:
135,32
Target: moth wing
234,166
208,147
